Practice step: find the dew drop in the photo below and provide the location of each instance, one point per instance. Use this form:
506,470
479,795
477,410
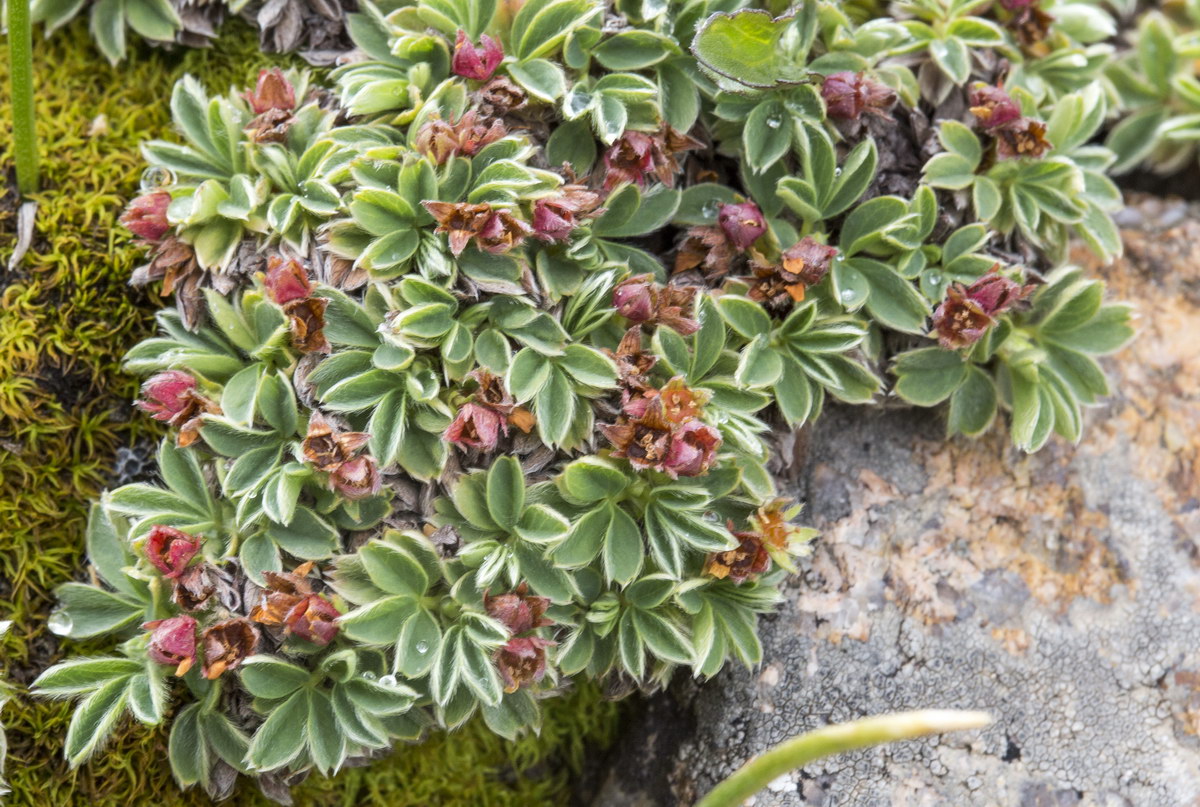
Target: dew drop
60,623
837,172
422,647
388,681
155,177
935,279
847,295
710,208
368,676
774,122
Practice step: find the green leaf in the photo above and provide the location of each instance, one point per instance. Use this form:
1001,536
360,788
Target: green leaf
973,404
766,135
590,479
506,491
748,47
928,376
271,677
281,737
744,315
623,551
393,569
586,538
94,719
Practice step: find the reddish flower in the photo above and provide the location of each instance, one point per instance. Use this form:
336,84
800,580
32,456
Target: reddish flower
167,395
227,644
193,588
499,97
555,218
283,592
708,248
747,561
848,95
636,298
999,115
328,449
743,223
780,286
171,397
146,216
313,619
993,107
522,661
306,318
680,403
642,439
636,156
442,140
639,299
808,260
357,479
501,232
476,426
693,449
460,221
173,642
271,92
519,610
780,538
476,62
968,311
170,550
632,362
286,280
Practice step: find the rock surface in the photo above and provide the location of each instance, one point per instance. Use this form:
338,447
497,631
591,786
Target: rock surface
1059,591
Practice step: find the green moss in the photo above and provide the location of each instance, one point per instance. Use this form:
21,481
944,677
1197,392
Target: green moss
66,318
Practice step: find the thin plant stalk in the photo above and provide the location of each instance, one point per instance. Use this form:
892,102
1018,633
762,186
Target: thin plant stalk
799,751
20,76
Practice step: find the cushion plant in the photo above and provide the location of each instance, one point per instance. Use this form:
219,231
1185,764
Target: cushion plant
483,342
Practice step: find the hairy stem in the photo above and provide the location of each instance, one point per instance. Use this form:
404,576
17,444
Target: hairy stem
20,60
798,751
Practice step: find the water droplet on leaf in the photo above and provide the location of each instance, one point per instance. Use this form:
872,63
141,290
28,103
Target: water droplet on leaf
368,676
388,680
774,121
935,279
60,623
847,295
422,647
156,177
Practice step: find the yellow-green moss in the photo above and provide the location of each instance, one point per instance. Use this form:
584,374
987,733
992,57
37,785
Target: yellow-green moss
66,318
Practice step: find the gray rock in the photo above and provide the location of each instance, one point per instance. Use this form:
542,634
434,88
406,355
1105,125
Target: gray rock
1059,592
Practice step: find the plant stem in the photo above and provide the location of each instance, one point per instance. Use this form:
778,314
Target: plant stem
798,751
20,65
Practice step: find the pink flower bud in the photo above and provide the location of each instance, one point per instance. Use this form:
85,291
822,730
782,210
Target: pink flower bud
743,223
476,426
313,619
693,449
272,91
173,642
635,298
848,95
552,221
167,394
478,63
356,479
170,550
808,260
146,216
286,280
